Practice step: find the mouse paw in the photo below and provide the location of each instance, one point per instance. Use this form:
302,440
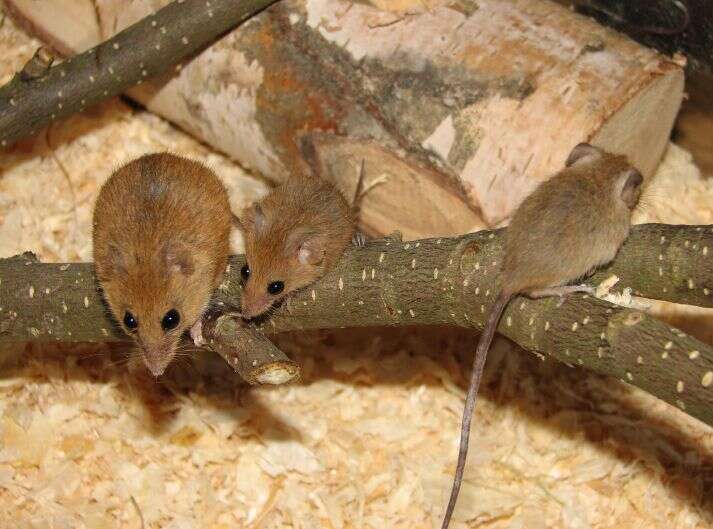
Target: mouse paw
587,289
197,333
560,291
359,239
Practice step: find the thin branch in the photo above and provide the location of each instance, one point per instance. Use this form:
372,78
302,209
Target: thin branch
255,358
38,65
138,511
450,281
41,94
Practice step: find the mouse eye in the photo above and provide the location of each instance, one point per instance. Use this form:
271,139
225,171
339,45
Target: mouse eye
130,321
275,287
245,271
170,320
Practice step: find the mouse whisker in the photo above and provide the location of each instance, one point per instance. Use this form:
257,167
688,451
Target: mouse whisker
183,353
187,347
94,354
644,206
658,194
113,364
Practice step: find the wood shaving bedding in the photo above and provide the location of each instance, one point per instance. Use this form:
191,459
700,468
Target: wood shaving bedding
367,440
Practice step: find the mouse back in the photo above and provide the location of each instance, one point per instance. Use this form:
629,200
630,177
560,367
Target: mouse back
571,223
161,244
292,237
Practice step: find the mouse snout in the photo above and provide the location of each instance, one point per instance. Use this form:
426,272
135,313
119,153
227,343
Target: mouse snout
253,306
157,359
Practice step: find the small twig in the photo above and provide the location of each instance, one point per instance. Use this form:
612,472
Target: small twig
38,66
269,503
138,511
41,93
255,358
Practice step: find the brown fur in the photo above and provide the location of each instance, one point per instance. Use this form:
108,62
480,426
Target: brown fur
161,242
571,224
303,212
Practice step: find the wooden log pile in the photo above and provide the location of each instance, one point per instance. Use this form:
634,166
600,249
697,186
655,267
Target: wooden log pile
461,107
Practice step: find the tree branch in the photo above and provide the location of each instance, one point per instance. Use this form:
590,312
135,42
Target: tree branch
143,50
450,281
255,358
667,262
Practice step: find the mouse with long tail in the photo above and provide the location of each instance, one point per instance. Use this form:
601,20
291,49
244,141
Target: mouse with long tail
570,225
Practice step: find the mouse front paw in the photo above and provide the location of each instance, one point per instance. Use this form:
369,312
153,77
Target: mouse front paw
196,333
359,239
586,289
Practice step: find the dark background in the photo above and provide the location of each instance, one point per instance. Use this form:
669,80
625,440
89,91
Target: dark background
664,25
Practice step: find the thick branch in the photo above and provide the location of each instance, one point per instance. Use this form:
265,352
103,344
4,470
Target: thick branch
144,50
666,262
437,281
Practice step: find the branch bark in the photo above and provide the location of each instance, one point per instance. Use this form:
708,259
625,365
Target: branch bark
143,50
450,281
255,358
666,262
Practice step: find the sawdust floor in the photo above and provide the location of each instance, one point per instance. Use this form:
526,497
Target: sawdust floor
368,439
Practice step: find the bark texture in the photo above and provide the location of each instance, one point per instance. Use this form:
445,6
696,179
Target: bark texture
146,49
451,281
462,107
249,352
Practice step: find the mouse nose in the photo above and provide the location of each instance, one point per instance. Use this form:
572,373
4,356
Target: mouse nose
248,312
252,307
157,360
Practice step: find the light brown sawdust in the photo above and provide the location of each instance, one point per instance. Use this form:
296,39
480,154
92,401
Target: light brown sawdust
368,439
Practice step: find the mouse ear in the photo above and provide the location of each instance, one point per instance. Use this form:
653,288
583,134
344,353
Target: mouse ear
307,247
311,252
252,218
178,259
259,219
630,182
117,263
582,152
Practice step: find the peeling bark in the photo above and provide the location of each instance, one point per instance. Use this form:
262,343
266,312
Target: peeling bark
448,281
463,107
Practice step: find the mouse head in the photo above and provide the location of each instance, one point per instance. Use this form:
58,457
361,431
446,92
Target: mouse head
153,295
281,258
612,169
